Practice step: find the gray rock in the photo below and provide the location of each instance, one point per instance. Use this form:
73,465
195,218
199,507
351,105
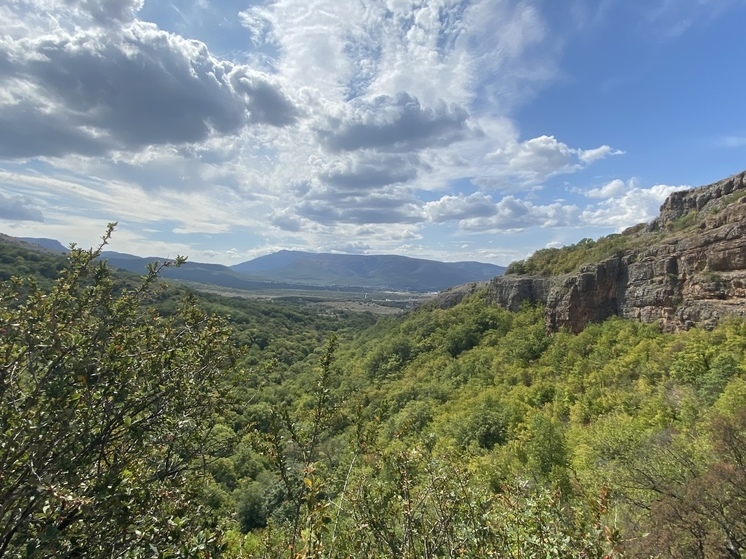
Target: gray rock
688,279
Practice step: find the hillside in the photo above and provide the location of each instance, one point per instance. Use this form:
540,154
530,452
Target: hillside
462,430
49,244
312,271
22,258
371,271
687,267
210,274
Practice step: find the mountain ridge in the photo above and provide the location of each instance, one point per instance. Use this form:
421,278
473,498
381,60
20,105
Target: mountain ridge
287,269
383,271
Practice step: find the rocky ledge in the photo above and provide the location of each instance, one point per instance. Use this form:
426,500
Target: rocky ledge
678,279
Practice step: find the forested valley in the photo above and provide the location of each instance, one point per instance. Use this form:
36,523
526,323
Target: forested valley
139,420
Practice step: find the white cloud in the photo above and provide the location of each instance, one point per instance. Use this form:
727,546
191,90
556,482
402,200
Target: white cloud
629,207
108,11
370,171
460,207
258,20
94,91
389,205
353,247
588,156
670,19
78,198
535,160
19,208
610,189
397,124
732,141
513,214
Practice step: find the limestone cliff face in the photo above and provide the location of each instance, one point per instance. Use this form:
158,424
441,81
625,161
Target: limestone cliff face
679,280
513,292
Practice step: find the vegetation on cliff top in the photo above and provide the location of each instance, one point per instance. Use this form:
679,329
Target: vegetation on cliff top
570,258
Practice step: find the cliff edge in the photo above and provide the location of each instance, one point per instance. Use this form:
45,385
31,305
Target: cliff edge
685,268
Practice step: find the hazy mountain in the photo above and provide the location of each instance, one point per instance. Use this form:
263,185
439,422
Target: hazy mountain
306,270
213,274
50,244
372,271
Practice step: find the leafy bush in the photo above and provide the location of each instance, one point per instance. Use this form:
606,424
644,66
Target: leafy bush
106,412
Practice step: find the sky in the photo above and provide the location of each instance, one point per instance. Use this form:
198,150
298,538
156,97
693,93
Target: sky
454,130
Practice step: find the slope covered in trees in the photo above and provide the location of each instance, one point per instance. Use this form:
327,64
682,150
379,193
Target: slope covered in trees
624,425
460,432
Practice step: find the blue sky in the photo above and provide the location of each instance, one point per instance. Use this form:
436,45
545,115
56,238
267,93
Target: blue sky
446,129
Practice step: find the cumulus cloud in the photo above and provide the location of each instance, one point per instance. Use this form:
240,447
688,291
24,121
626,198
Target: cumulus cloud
328,208
610,189
371,171
352,247
93,91
374,209
629,207
460,207
537,159
18,208
588,156
107,11
286,220
513,214
394,123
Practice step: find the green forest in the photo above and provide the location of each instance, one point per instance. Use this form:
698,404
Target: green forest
140,420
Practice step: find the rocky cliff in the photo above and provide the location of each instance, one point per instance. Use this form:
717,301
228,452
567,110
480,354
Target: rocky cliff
686,268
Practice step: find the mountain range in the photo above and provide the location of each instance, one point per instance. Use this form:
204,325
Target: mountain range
288,269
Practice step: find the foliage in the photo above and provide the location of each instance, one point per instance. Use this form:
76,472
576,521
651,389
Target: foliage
518,425
684,223
460,432
554,261
106,417
570,258
697,499
22,259
411,500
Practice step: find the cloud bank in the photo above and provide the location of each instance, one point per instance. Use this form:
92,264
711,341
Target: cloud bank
351,124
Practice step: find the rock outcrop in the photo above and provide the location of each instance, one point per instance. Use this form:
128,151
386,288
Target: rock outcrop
678,278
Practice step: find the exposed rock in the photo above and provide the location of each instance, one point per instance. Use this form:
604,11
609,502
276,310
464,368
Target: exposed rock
454,295
682,279
592,295
683,202
519,290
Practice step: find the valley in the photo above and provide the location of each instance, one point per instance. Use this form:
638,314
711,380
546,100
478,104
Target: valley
331,423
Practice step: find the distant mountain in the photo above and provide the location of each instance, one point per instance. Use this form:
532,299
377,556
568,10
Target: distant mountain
49,244
211,274
366,271
270,262
288,269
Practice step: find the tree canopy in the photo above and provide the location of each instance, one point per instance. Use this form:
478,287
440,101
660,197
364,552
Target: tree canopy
129,430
